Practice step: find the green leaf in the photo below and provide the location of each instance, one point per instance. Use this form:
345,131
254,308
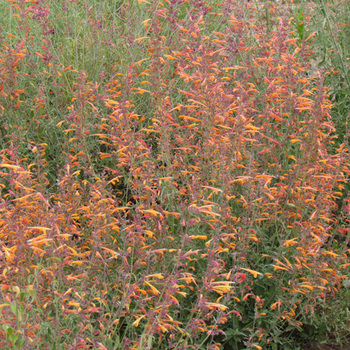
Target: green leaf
8,329
13,339
14,308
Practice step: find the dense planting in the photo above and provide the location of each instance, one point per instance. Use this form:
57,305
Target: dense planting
172,175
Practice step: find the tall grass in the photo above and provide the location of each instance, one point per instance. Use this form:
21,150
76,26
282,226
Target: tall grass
172,176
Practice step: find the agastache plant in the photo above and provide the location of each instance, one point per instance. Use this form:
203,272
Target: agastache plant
170,177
